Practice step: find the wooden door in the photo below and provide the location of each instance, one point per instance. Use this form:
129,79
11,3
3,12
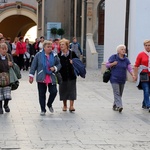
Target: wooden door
101,27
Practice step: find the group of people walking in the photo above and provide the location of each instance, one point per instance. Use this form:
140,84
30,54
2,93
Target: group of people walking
46,63
49,58
45,58
119,63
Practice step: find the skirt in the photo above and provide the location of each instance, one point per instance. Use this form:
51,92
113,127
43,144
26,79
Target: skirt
67,90
5,93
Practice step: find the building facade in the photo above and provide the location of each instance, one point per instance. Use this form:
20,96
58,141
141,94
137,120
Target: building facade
107,22
59,14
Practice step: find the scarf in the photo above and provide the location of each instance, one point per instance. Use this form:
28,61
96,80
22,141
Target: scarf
47,62
148,54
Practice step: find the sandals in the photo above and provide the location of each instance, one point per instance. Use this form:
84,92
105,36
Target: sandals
64,108
71,109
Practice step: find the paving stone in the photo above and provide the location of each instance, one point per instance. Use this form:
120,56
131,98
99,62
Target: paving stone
93,126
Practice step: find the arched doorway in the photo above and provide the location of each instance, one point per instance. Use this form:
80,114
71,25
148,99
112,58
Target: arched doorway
16,21
101,19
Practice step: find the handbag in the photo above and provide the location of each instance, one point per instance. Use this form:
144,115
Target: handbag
26,55
107,75
59,77
14,83
14,75
4,79
16,70
144,77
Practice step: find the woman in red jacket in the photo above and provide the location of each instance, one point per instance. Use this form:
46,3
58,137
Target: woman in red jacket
20,51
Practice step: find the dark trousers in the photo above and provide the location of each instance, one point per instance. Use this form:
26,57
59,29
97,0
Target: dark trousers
5,103
42,88
20,61
26,64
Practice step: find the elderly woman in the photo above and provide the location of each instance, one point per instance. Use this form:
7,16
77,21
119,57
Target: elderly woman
45,63
119,64
5,90
142,70
67,90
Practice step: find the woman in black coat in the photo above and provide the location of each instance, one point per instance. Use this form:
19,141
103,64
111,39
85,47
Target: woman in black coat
67,90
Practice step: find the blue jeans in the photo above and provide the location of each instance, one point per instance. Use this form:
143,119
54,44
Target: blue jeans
146,93
42,88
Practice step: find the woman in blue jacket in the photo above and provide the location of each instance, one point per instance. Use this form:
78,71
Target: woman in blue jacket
45,63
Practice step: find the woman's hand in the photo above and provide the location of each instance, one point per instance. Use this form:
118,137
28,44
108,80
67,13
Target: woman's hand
52,69
31,80
10,63
134,78
114,63
71,61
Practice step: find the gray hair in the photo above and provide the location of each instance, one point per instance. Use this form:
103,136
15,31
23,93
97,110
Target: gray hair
119,47
47,43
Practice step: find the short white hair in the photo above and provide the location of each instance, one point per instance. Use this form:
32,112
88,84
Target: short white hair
119,47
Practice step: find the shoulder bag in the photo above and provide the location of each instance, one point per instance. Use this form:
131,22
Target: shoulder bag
107,75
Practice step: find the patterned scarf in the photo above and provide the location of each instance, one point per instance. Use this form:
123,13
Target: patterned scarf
47,63
148,54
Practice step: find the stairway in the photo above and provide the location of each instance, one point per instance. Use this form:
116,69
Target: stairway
100,51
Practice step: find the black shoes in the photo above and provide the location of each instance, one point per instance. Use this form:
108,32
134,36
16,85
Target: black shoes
115,108
145,107
1,111
120,109
7,109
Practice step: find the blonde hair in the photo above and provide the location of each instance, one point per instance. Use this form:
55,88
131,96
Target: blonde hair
47,43
119,47
3,46
146,41
65,41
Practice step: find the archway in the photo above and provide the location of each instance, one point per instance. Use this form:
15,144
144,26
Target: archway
101,19
16,21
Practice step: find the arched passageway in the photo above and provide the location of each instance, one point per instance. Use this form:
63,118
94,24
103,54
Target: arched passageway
16,21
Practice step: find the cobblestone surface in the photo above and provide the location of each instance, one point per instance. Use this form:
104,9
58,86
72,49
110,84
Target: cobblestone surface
93,126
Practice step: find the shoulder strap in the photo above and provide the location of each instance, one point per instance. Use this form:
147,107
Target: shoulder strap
8,57
70,54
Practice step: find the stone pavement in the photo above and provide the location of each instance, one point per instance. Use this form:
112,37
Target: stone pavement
93,126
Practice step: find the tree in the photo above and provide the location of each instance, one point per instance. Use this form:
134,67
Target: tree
60,31
54,31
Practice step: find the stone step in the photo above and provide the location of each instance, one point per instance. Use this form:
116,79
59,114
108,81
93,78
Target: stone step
100,51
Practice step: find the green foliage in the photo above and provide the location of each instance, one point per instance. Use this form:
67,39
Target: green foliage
60,31
54,31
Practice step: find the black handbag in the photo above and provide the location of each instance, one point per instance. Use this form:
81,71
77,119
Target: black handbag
107,75
144,77
59,77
